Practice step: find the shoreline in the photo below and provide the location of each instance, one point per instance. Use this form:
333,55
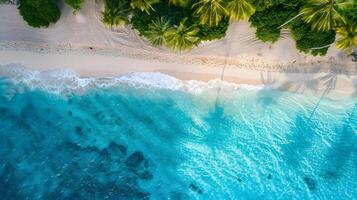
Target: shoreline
112,62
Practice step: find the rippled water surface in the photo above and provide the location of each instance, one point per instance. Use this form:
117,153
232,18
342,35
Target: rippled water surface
127,142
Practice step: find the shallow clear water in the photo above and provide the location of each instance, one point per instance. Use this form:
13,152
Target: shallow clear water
127,142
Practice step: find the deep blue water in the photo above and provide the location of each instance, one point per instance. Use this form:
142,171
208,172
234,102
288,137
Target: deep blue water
144,143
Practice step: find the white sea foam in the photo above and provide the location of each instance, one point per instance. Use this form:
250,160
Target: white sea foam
67,81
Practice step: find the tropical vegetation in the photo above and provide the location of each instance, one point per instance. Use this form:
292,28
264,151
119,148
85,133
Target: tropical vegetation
347,37
181,37
39,13
239,9
324,15
183,24
116,12
180,25
309,40
313,23
75,4
143,5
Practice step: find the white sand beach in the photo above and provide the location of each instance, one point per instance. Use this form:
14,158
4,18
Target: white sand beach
81,43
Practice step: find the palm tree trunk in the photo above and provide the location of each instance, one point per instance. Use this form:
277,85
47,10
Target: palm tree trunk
228,52
318,103
329,86
285,23
322,46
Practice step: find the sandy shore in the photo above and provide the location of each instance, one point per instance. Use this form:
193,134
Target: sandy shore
108,62
81,43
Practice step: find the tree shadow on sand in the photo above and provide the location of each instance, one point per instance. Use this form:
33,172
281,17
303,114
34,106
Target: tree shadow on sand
329,83
326,82
312,82
298,83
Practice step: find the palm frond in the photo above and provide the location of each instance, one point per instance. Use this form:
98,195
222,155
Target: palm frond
115,12
143,5
347,37
210,12
324,15
157,30
180,38
239,9
182,3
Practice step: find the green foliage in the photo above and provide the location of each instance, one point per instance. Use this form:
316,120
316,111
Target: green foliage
75,4
347,33
267,34
265,4
141,20
143,5
210,12
182,24
157,30
176,14
239,9
267,22
116,12
310,41
347,39
208,33
350,13
181,37
39,13
324,15
181,3
272,14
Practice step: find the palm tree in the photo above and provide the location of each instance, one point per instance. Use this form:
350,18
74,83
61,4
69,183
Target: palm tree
239,9
210,12
347,39
157,30
116,12
324,14
143,5
181,37
182,3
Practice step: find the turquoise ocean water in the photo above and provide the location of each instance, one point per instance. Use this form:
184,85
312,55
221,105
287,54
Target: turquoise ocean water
145,141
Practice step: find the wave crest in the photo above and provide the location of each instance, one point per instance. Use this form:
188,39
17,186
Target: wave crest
67,81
